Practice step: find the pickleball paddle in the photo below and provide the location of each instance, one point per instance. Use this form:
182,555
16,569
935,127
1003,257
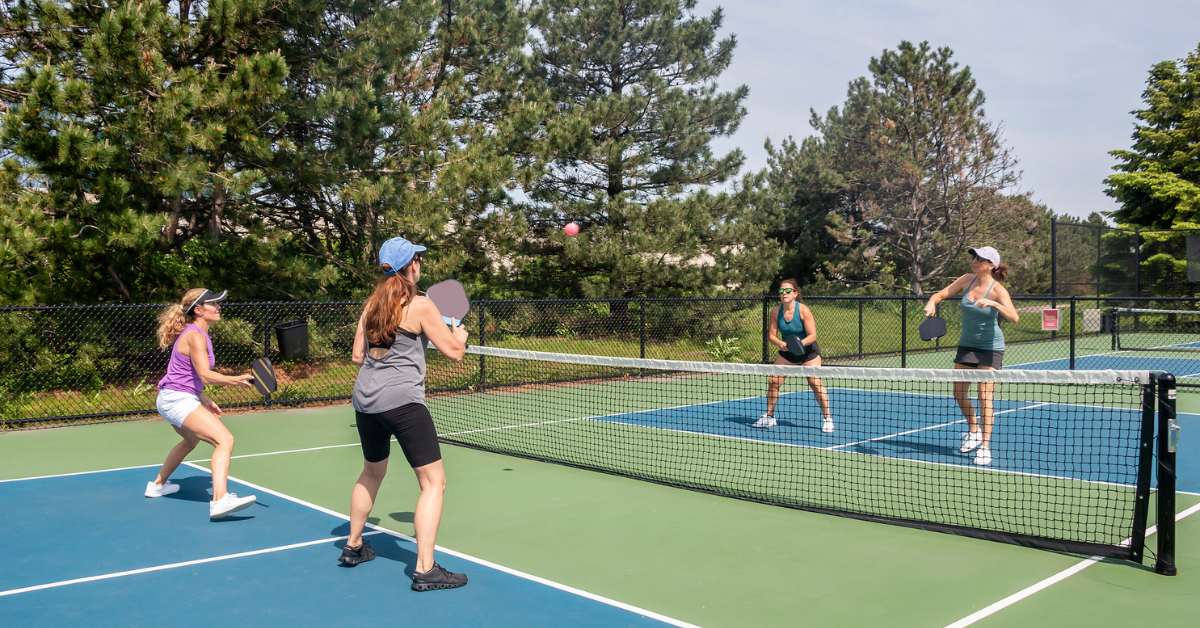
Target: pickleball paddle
264,375
795,346
451,301
932,327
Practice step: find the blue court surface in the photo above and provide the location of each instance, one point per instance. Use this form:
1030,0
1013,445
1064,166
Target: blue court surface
1180,367
1081,442
89,550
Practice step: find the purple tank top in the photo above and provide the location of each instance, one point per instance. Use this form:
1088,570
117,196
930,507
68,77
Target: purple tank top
181,375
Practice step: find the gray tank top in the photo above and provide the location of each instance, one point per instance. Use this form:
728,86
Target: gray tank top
396,379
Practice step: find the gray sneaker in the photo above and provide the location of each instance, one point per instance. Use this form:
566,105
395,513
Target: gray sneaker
437,578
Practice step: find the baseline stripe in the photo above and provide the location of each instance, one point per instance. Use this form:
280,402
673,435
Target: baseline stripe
1058,577
187,563
479,561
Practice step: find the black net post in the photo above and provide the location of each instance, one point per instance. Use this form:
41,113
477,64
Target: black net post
1168,431
1145,470
1072,317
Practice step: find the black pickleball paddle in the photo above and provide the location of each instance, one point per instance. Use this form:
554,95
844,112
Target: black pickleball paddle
932,328
264,375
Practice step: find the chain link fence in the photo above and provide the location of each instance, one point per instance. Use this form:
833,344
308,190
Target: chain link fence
84,364
1102,261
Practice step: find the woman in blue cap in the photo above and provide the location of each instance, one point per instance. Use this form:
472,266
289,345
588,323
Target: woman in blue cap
981,345
395,328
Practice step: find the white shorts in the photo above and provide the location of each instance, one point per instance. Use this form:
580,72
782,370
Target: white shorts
174,406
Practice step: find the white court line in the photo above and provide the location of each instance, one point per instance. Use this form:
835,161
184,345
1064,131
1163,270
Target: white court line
931,427
375,530
479,561
63,475
186,563
1058,577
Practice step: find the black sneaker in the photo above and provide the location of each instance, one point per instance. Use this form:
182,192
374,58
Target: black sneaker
352,556
438,578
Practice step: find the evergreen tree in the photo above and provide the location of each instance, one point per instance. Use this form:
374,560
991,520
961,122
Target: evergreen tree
401,121
129,131
921,167
1159,184
800,194
626,155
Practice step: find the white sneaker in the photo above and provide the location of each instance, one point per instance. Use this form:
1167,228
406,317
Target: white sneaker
765,420
229,504
971,440
827,425
154,490
983,456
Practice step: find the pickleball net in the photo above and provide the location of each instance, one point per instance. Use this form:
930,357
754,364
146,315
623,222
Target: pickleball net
1156,330
1071,450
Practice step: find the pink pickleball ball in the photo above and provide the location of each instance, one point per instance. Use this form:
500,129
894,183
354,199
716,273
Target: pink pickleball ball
571,228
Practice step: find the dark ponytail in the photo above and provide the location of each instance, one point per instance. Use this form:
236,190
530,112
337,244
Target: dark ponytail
1000,273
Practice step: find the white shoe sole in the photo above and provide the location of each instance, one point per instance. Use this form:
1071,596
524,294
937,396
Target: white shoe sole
827,427
237,507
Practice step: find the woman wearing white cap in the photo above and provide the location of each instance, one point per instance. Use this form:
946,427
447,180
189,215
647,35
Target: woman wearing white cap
981,345
181,400
396,326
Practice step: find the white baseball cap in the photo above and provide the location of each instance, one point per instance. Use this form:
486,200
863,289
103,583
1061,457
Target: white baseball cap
986,253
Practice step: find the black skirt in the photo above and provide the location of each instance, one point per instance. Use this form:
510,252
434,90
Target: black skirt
813,352
970,356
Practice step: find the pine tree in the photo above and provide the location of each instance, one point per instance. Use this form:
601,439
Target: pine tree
400,120
626,155
1159,184
129,132
921,165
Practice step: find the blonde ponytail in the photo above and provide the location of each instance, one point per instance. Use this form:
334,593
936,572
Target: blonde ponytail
172,320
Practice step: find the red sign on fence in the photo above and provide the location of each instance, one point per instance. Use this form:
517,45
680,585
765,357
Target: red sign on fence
1050,320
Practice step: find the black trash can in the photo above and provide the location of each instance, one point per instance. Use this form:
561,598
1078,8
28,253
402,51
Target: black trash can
292,337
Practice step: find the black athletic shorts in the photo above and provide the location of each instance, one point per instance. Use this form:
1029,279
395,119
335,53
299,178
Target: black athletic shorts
814,351
970,356
410,424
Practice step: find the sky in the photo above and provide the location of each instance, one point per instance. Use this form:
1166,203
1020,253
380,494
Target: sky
1062,76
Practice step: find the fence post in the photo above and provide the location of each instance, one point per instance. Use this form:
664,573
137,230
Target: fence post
766,326
860,327
483,343
642,307
903,332
1167,428
267,344
1053,269
1099,256
1072,315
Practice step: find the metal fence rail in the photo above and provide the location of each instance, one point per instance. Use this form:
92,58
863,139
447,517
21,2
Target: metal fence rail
98,363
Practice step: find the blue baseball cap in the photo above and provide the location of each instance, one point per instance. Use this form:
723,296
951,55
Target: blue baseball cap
397,253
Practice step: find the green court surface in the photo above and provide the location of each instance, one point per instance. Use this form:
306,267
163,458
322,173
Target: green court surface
695,557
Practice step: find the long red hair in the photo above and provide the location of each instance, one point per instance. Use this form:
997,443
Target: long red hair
386,307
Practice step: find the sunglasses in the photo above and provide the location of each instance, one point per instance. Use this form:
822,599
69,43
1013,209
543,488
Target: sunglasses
786,290
418,257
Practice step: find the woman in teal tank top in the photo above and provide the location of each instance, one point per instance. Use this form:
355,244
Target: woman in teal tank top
793,318
981,345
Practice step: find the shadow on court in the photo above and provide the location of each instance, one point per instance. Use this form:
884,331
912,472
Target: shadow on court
749,420
386,546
